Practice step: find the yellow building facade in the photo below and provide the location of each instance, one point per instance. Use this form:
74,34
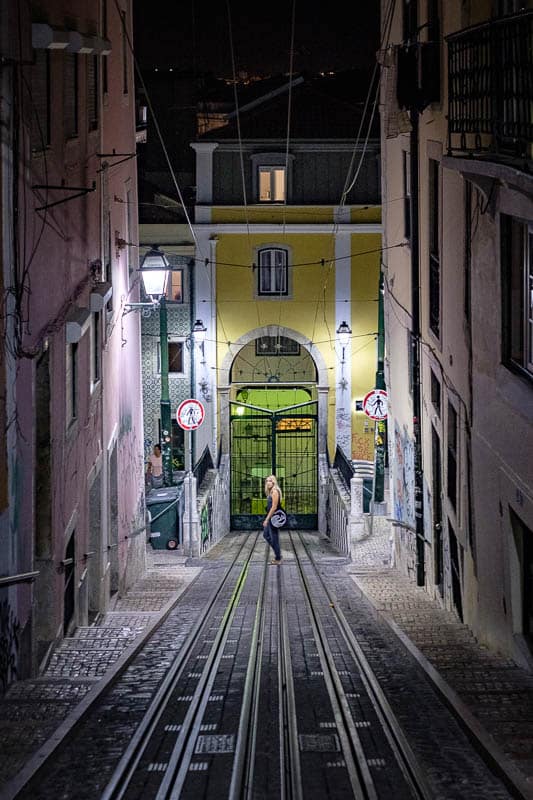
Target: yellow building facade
279,282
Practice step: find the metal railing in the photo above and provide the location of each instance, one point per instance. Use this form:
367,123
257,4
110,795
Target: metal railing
490,89
338,513
204,463
12,580
344,467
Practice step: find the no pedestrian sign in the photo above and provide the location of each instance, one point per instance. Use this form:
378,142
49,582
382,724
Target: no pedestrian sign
375,404
190,414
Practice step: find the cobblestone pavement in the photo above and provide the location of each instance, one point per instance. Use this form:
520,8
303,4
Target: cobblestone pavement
32,710
494,695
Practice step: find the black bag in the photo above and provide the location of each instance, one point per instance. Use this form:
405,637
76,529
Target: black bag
278,518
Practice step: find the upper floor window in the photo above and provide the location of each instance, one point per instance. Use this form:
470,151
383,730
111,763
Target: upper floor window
175,357
409,20
125,45
39,88
92,92
407,195
435,393
71,383
517,294
273,271
451,480
175,286
272,185
70,94
434,246
96,349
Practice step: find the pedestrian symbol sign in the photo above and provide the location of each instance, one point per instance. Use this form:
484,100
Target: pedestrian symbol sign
375,404
190,414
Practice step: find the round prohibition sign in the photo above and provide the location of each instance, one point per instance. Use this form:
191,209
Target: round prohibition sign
375,404
190,414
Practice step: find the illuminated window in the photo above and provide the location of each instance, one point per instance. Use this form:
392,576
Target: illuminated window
175,286
272,184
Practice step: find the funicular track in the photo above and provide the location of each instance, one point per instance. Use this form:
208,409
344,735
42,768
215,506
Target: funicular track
270,695
315,734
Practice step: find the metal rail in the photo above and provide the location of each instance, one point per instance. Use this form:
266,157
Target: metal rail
393,732
12,580
291,774
179,762
242,776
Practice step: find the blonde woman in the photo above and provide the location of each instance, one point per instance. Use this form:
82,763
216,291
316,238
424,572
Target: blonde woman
270,533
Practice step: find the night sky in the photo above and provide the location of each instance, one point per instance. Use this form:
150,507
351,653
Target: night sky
194,35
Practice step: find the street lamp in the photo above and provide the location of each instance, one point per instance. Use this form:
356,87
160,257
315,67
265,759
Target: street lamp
344,332
154,270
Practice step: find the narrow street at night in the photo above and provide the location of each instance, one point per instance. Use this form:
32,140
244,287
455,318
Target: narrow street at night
266,400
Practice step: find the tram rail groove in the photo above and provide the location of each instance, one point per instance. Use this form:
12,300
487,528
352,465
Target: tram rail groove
347,732
290,768
241,786
41,760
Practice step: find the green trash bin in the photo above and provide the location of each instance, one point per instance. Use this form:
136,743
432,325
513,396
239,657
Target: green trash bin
163,506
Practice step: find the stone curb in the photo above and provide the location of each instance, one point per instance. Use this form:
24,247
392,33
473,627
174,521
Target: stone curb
17,783
513,779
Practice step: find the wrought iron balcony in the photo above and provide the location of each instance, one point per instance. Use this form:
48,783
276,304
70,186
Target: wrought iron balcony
490,88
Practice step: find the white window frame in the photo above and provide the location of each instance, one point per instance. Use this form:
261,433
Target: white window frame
267,254
269,162
96,349
71,383
271,195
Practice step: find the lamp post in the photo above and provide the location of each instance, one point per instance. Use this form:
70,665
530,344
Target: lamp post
154,270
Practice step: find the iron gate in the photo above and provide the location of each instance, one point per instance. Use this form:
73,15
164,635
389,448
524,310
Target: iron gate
284,443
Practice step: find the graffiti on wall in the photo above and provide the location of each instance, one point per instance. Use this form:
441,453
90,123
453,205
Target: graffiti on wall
363,445
9,645
403,470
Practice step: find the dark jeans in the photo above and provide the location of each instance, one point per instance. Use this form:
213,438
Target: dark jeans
271,535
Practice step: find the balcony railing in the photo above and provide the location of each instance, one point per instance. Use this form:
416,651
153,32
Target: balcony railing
490,88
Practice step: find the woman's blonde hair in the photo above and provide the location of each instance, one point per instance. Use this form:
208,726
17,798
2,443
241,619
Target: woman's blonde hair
275,486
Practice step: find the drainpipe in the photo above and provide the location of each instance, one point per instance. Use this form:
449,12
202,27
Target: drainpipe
415,347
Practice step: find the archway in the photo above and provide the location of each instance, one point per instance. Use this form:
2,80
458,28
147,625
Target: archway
273,406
